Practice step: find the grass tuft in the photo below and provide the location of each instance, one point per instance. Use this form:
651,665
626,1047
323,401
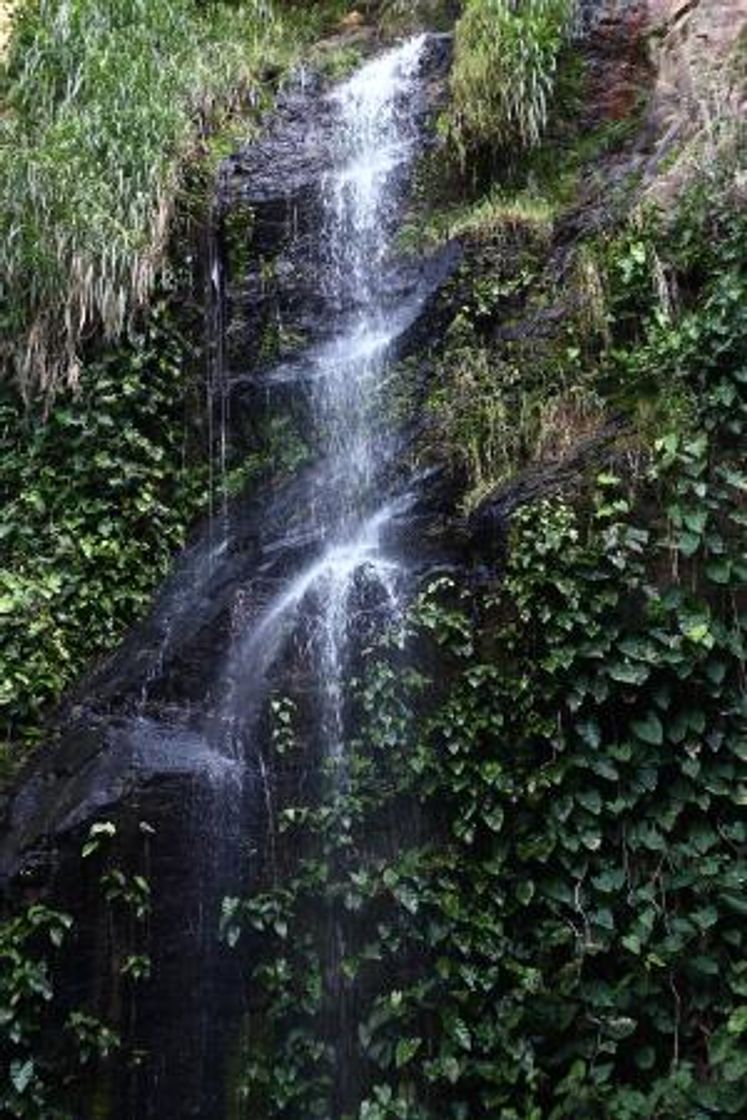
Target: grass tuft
504,72
102,105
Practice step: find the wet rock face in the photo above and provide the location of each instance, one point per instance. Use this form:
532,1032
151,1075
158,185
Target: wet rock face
699,79
141,739
271,206
680,56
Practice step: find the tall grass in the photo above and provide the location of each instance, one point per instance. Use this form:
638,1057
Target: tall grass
101,104
505,61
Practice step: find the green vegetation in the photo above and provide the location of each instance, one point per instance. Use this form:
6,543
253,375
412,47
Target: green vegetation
45,1051
400,17
519,369
558,932
563,936
505,62
499,404
108,112
94,504
103,106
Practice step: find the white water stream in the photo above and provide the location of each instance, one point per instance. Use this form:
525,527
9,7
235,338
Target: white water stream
376,127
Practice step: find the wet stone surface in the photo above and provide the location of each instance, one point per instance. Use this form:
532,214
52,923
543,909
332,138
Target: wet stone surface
146,737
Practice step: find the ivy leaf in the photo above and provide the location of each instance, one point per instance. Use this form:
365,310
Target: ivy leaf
627,673
640,649
737,1021
695,519
21,1074
589,731
700,633
718,571
461,1033
688,544
525,892
591,800
609,881
604,918
494,819
715,671
408,898
649,729
620,1027
406,1050
702,965
705,918
451,1069
736,903
645,1058
591,840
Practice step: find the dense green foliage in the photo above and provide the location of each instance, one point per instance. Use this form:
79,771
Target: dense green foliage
102,106
559,748
499,404
564,934
47,1045
94,503
504,72
519,367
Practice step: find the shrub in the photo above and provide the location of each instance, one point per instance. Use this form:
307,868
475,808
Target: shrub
504,72
102,103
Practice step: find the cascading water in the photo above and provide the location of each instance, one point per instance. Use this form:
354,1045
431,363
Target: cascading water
350,499
376,115
280,587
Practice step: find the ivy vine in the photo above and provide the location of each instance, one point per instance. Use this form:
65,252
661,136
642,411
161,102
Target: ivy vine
559,932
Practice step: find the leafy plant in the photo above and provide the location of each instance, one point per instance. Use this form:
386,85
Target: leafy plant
559,933
103,106
504,72
45,1044
96,501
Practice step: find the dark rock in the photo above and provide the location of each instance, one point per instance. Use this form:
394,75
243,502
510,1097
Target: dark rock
144,737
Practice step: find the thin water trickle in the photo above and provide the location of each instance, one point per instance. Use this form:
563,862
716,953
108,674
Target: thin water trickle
377,115
217,390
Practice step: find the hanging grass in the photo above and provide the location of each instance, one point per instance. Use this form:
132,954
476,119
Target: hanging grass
506,54
102,103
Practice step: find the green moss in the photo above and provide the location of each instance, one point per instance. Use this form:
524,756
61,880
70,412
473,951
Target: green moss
337,61
236,230
400,17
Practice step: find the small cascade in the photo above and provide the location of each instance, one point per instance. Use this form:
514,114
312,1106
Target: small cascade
376,118
280,587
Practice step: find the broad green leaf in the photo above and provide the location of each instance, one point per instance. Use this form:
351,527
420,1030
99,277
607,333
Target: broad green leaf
21,1074
406,1050
649,729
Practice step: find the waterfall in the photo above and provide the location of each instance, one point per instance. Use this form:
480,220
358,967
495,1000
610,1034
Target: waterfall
279,589
376,117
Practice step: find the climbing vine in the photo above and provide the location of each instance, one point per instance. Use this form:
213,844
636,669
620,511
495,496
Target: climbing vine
561,934
95,502
48,1044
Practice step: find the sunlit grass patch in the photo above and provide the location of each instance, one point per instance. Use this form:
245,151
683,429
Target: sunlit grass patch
102,107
